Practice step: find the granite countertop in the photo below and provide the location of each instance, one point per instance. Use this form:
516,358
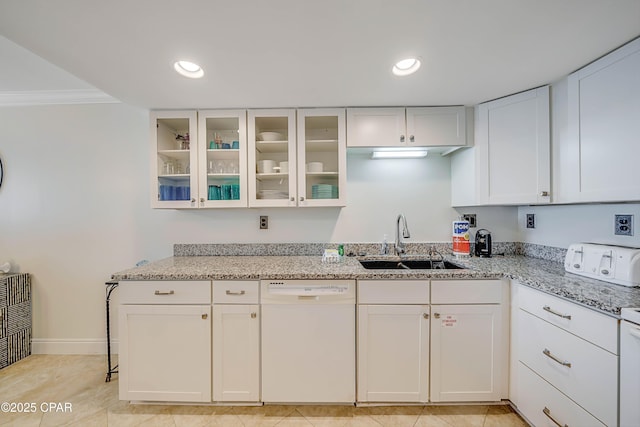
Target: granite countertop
543,275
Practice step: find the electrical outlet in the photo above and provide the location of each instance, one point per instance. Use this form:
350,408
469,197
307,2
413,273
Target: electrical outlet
471,218
531,221
264,222
623,225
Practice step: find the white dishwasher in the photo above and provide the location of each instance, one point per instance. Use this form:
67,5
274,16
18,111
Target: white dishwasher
308,341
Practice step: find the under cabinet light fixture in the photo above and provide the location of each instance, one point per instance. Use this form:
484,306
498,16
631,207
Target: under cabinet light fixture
406,67
399,154
188,69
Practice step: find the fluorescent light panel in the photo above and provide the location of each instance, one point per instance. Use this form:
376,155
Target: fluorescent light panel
399,154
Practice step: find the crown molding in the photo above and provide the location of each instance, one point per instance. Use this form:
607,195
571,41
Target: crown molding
53,97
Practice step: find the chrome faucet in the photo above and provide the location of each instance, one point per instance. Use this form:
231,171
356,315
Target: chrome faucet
399,246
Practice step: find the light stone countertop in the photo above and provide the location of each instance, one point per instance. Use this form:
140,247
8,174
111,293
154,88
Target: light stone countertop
543,275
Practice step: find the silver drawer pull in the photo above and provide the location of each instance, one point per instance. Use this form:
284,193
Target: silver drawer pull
555,359
547,412
234,293
564,316
164,292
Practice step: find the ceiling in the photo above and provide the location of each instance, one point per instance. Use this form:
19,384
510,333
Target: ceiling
302,53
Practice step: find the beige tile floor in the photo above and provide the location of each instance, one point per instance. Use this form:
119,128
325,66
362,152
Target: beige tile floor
77,381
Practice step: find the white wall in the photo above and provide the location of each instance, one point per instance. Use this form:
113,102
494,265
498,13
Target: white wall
74,208
562,225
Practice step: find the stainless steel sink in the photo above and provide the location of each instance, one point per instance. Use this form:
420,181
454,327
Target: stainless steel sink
408,265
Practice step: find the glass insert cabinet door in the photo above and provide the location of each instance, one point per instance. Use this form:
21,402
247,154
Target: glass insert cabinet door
321,157
222,148
272,158
174,159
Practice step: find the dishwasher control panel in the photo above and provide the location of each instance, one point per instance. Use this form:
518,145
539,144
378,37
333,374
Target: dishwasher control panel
329,291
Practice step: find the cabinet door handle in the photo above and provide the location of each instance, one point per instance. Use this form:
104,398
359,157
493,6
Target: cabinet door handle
164,292
293,199
401,138
301,199
228,292
550,310
412,138
547,412
555,359
544,194
205,316
436,315
254,315
425,315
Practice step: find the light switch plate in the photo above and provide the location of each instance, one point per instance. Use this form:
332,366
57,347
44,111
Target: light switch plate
471,218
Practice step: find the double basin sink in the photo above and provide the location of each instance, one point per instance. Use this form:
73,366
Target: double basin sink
422,264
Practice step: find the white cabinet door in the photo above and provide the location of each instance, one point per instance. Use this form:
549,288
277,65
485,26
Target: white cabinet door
236,353
436,126
513,143
466,346
410,127
376,127
602,150
322,157
272,158
174,178
222,158
393,353
165,353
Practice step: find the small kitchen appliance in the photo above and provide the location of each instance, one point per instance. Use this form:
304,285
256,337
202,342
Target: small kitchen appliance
615,264
483,243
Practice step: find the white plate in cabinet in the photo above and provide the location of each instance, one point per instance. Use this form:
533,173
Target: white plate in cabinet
544,405
584,372
393,291
236,292
165,292
595,327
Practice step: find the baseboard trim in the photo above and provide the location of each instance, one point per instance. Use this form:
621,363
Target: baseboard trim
72,346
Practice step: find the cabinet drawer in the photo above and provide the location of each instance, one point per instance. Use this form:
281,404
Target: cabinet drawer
165,292
538,395
594,327
236,292
584,372
393,292
466,291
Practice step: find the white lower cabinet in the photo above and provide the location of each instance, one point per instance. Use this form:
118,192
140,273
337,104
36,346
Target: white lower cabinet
165,341
393,341
567,363
468,361
236,341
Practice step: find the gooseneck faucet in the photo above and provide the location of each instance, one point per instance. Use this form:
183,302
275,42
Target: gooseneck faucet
399,246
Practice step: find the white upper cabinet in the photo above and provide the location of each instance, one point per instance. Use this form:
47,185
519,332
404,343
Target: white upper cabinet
222,158
272,158
598,159
174,178
410,127
322,157
510,163
513,139
299,162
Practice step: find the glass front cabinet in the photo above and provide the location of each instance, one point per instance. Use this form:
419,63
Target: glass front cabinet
222,154
174,159
303,168
254,158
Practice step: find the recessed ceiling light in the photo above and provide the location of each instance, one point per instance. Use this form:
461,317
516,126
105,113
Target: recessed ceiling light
189,69
406,67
